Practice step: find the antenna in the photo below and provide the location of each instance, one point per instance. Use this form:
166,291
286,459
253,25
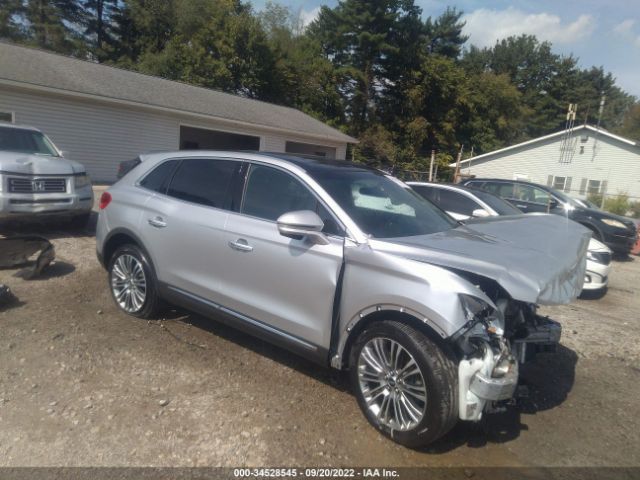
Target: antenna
567,145
600,111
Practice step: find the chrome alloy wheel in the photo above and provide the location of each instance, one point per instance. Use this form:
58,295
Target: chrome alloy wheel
392,384
128,283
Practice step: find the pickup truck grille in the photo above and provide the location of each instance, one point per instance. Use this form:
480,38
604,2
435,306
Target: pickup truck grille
37,185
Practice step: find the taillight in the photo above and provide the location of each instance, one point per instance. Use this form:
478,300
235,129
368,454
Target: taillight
105,200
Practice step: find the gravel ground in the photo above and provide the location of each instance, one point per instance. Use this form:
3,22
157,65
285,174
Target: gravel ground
82,384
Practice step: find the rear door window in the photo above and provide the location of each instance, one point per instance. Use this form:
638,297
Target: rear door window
205,181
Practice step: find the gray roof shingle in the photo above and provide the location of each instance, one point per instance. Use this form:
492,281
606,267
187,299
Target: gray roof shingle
37,67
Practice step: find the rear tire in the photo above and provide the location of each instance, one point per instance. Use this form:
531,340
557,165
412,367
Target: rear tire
133,282
390,398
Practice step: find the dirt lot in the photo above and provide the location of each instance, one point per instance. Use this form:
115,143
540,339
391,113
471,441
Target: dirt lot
82,384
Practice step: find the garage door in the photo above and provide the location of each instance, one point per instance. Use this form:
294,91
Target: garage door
310,149
203,139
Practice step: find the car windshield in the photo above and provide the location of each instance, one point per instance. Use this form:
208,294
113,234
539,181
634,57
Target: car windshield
26,141
382,206
501,207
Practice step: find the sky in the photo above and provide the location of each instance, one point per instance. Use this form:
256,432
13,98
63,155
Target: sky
602,33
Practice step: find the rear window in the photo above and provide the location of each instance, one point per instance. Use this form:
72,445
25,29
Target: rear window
204,181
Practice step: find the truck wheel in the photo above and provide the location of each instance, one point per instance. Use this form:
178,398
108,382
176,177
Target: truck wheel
406,385
133,282
80,221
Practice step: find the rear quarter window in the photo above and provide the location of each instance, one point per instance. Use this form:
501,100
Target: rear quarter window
158,178
204,181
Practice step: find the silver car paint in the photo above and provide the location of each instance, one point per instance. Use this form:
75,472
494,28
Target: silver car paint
412,274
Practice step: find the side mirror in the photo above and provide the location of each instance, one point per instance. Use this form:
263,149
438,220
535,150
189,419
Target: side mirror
479,213
553,203
302,223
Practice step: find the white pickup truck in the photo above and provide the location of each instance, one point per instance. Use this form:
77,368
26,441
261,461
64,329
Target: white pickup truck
36,180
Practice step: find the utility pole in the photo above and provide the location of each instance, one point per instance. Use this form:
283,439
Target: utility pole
433,157
456,175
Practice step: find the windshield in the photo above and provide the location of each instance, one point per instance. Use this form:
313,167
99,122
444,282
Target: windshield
380,205
501,207
26,141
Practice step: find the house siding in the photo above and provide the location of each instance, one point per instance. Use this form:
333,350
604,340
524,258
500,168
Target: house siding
614,162
101,134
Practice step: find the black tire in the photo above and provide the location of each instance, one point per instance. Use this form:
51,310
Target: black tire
440,376
81,221
152,302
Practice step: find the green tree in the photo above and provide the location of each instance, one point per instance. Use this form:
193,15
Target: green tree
50,24
99,28
630,127
367,42
10,26
444,34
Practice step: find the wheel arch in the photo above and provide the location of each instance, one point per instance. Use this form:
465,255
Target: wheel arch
117,238
388,313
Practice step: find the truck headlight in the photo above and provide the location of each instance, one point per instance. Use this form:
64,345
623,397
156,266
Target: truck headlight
81,181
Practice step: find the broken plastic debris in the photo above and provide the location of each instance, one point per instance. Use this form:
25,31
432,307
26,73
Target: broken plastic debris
36,252
6,296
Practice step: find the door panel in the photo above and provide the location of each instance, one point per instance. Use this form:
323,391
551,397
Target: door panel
183,229
186,251
288,284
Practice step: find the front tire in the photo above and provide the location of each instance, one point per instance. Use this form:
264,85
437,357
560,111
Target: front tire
406,385
133,283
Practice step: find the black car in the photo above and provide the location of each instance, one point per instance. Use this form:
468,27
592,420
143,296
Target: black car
617,232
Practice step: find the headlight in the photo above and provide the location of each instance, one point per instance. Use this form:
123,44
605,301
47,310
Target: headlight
473,306
476,308
613,223
591,256
81,181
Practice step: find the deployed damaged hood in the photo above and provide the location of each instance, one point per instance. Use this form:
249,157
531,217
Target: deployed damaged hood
535,258
26,164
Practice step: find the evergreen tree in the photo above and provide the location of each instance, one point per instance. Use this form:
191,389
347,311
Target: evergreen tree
53,24
99,28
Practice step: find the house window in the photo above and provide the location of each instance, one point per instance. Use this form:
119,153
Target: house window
7,117
593,187
561,183
558,182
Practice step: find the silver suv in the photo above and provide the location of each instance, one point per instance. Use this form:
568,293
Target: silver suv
346,266
36,180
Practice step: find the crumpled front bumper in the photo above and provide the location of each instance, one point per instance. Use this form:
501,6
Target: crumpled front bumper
477,387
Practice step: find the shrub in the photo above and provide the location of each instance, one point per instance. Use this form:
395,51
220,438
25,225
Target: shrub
618,204
634,208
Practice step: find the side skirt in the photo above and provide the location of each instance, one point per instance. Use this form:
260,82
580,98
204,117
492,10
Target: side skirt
245,324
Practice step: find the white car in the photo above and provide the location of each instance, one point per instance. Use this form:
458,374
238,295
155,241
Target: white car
464,203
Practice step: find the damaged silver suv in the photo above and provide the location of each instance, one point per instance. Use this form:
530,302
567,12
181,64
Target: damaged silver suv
346,266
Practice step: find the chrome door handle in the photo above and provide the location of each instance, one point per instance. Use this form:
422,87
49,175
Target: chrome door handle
157,222
241,245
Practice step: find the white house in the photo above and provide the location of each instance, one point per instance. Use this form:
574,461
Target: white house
101,115
579,161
